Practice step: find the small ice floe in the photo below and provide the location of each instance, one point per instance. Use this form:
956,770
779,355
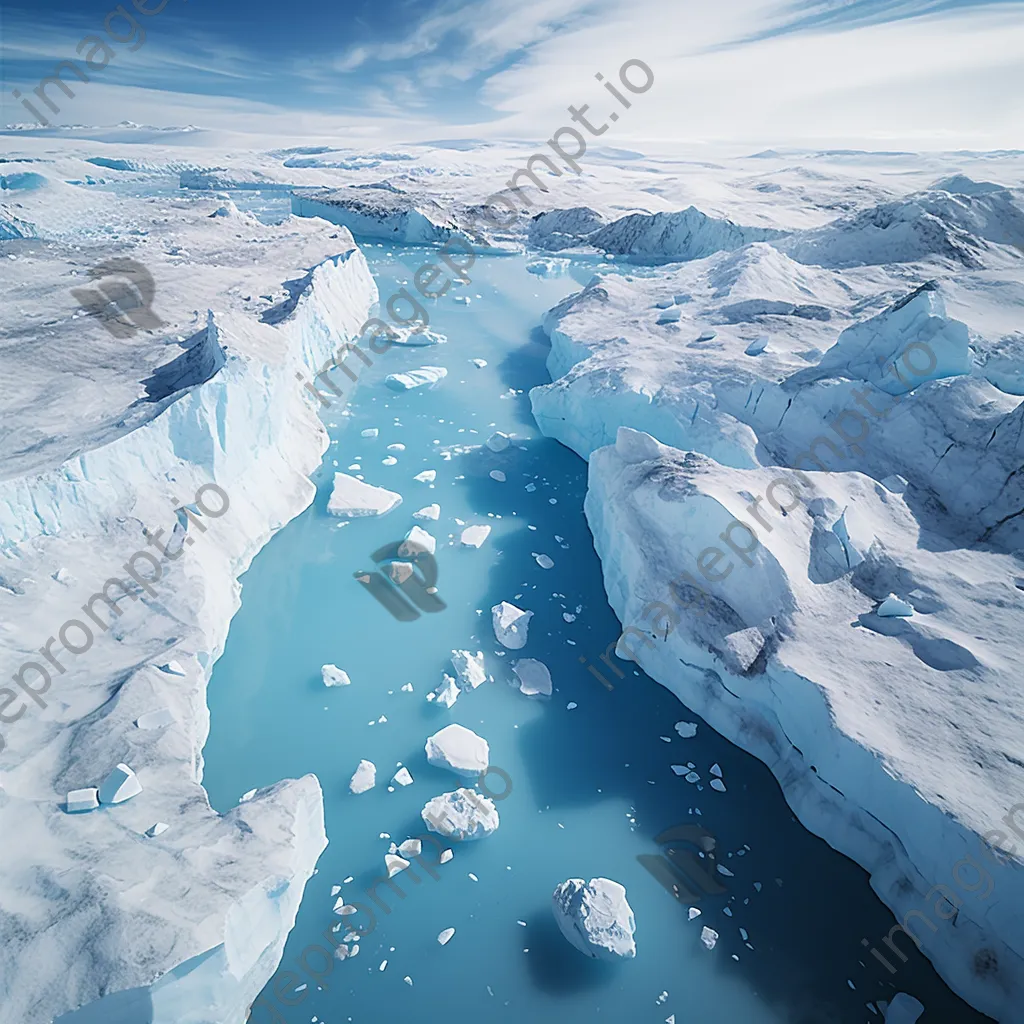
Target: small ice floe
723,870
403,777
692,913
447,693
459,749
155,719
709,937
157,829
406,687
474,536
364,777
462,299
479,363
247,795
669,316
894,606
497,474
679,769
446,936
335,889
498,441
469,669
903,1009
463,814
120,785
399,572
664,304
530,488
407,980
428,512
394,864
595,917
534,677
511,625
568,616
716,770
708,335
389,461
417,542
446,855
718,784
334,676
425,376
548,267
757,346
370,432
418,339
411,848
544,561
426,477
353,498
571,706
79,800
396,447
692,778
686,729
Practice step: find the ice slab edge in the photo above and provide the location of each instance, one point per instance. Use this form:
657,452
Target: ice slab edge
207,943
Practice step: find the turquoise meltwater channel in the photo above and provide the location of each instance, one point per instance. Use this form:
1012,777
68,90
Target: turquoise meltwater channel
591,782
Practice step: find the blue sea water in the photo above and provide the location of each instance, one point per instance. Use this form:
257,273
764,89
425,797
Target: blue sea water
591,786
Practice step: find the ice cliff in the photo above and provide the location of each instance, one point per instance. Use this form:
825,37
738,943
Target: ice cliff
761,480
184,927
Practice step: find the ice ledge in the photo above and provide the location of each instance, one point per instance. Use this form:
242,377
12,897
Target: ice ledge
190,923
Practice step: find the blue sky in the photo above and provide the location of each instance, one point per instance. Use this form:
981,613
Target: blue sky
941,70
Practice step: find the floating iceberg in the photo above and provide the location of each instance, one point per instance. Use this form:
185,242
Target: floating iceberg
417,542
82,800
428,512
461,815
595,917
334,676
425,376
474,536
459,749
534,677
511,625
469,669
364,778
353,498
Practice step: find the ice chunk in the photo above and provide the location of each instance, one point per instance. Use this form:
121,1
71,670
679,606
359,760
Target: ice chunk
334,676
686,729
692,913
418,338
364,777
120,785
534,677
474,536
511,625
463,814
399,572
445,937
83,800
448,692
757,346
155,719
548,267
718,784
498,441
446,855
903,1009
709,937
411,848
426,477
716,770
893,606
352,498
403,777
417,541
425,376
157,830
394,864
595,917
669,316
428,512
469,669
459,749
370,432
544,561
479,363
497,474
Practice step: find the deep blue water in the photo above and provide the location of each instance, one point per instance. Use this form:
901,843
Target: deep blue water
591,787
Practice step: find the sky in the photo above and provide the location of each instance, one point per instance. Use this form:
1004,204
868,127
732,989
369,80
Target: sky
939,74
